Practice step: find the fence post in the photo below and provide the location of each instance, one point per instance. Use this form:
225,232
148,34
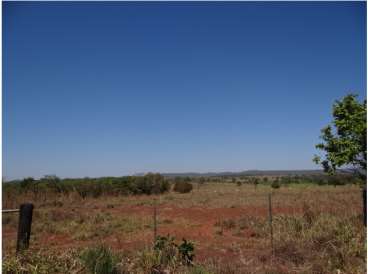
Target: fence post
270,220
154,221
24,226
364,194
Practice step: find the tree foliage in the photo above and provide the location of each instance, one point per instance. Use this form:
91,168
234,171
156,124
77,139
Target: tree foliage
150,183
183,187
344,142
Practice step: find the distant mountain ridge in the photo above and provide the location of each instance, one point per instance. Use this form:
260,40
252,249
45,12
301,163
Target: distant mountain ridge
246,173
225,173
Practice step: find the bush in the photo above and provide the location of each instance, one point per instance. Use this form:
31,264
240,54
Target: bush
99,260
27,183
167,249
275,185
166,256
150,184
186,251
172,251
183,187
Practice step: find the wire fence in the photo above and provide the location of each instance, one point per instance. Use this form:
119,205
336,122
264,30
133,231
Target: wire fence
272,203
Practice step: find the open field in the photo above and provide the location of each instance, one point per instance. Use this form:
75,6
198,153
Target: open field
184,137
316,229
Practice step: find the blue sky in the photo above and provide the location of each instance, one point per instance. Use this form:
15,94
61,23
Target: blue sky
96,89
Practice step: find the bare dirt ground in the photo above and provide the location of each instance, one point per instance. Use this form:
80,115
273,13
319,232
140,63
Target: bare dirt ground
227,223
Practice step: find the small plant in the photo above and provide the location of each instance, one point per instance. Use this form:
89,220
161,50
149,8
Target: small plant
170,251
167,247
186,250
183,187
99,260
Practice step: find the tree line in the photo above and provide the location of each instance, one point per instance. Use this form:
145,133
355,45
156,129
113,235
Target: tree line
152,183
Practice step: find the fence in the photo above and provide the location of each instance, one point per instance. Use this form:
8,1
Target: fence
26,211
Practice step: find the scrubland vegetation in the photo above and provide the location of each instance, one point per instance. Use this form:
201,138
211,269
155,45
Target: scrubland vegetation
151,183
89,187
220,225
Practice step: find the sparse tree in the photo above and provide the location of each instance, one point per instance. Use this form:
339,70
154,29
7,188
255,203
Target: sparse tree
345,140
27,183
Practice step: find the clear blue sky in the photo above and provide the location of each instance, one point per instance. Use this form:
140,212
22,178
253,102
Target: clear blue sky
95,89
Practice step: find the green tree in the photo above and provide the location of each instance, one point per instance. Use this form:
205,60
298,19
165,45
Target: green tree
344,142
27,183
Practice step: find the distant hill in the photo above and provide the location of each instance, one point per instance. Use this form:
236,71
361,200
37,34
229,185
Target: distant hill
247,173
228,173
255,173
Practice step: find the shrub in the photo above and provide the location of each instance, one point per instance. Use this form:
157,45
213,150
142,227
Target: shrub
183,187
149,261
27,183
167,249
99,260
275,185
186,250
170,251
150,184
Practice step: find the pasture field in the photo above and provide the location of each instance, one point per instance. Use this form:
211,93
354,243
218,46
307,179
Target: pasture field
316,229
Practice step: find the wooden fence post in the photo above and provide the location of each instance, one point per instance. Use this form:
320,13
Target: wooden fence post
154,221
270,220
24,226
364,194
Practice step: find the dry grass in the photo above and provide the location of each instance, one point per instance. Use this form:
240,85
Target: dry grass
317,229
